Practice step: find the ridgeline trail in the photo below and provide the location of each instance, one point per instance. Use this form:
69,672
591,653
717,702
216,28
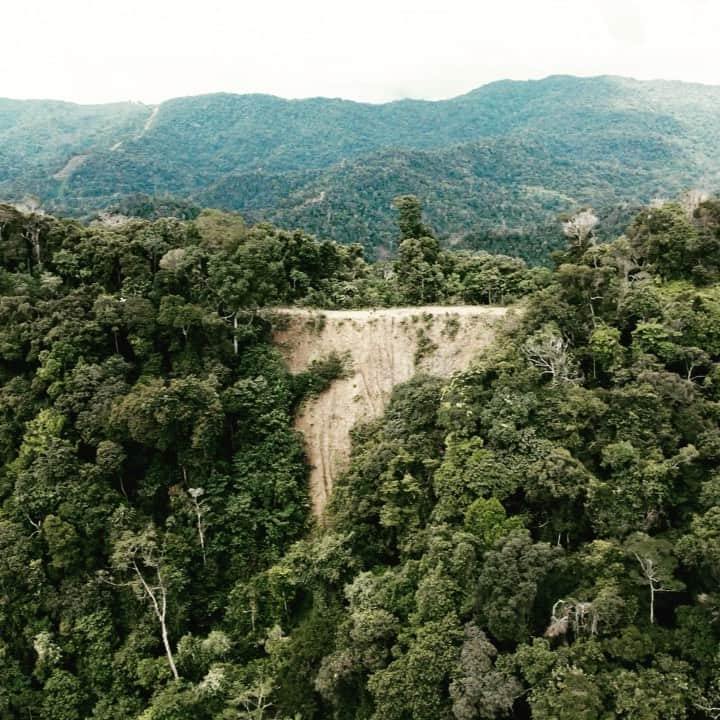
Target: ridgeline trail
385,347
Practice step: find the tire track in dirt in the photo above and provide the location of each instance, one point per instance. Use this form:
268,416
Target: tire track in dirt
382,345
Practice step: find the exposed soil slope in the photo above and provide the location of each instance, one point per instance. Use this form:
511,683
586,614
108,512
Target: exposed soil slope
385,347
70,167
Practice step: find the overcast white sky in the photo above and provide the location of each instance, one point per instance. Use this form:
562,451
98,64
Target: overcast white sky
374,50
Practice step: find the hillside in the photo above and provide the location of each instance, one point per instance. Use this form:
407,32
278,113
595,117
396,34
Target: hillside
382,348
493,166
43,143
534,537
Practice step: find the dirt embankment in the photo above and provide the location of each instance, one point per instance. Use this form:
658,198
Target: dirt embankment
386,347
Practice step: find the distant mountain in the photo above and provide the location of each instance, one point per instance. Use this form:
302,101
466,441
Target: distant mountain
494,166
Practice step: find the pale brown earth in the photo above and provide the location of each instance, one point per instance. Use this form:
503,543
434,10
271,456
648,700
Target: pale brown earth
149,122
70,167
381,346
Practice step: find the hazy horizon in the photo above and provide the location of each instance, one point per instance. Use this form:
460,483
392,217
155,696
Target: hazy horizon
370,102
92,53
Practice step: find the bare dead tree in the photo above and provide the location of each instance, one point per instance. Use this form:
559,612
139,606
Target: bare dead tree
158,597
580,617
234,316
112,220
548,352
255,701
711,711
138,558
195,495
655,583
580,229
36,525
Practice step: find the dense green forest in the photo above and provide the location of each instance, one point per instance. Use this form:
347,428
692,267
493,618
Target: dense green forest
537,537
494,167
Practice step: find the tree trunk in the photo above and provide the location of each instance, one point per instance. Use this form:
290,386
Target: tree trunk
652,604
35,240
235,327
200,529
166,641
160,613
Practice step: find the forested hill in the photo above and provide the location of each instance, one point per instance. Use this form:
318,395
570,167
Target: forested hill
493,166
534,538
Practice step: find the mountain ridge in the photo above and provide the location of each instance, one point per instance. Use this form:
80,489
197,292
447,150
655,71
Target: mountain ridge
491,83
265,156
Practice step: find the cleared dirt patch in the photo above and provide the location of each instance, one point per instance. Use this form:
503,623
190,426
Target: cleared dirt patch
70,167
386,347
149,122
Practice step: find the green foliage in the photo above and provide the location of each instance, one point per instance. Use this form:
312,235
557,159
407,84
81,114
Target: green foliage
149,463
495,166
486,520
320,374
577,504
411,684
537,536
479,690
509,581
409,211
425,347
